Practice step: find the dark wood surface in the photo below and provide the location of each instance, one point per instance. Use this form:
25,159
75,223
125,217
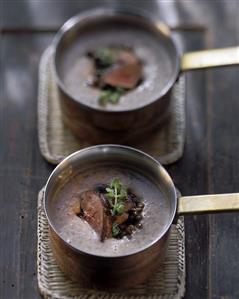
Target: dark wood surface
210,163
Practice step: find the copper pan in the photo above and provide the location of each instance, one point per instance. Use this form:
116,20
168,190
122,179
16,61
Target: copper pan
145,107
137,264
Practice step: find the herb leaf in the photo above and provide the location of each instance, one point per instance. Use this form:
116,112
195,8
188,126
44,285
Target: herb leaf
118,209
104,96
111,95
116,194
115,230
105,56
115,184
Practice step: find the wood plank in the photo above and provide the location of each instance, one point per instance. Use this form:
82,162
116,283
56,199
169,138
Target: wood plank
224,163
190,173
50,15
222,146
23,171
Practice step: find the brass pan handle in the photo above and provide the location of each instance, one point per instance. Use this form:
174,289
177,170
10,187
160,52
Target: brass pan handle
208,203
209,58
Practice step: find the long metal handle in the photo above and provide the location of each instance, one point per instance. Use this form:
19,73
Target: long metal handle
210,58
208,203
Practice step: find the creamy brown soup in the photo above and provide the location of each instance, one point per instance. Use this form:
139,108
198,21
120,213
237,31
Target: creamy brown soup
157,65
79,233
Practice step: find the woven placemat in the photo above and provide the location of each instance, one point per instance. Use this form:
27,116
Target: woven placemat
56,140
168,282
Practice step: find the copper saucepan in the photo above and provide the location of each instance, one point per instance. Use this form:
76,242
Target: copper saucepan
135,260
140,110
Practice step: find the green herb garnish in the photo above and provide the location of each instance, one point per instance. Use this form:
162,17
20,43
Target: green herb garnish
111,95
116,194
115,230
105,56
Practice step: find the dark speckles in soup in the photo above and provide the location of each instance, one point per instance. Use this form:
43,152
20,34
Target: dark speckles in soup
81,235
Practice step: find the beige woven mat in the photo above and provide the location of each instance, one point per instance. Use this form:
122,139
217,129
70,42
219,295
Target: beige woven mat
168,282
56,141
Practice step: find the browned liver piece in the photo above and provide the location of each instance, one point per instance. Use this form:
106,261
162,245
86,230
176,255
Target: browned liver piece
94,213
126,72
125,76
127,57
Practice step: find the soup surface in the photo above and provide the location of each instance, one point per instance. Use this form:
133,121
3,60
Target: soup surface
79,234
157,70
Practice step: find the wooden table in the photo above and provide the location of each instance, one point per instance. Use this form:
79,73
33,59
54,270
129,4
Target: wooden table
210,163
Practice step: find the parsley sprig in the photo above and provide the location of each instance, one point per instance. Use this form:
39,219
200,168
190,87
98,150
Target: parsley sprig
116,195
111,95
105,57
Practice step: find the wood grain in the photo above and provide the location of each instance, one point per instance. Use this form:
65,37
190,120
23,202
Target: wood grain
190,173
209,165
23,171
